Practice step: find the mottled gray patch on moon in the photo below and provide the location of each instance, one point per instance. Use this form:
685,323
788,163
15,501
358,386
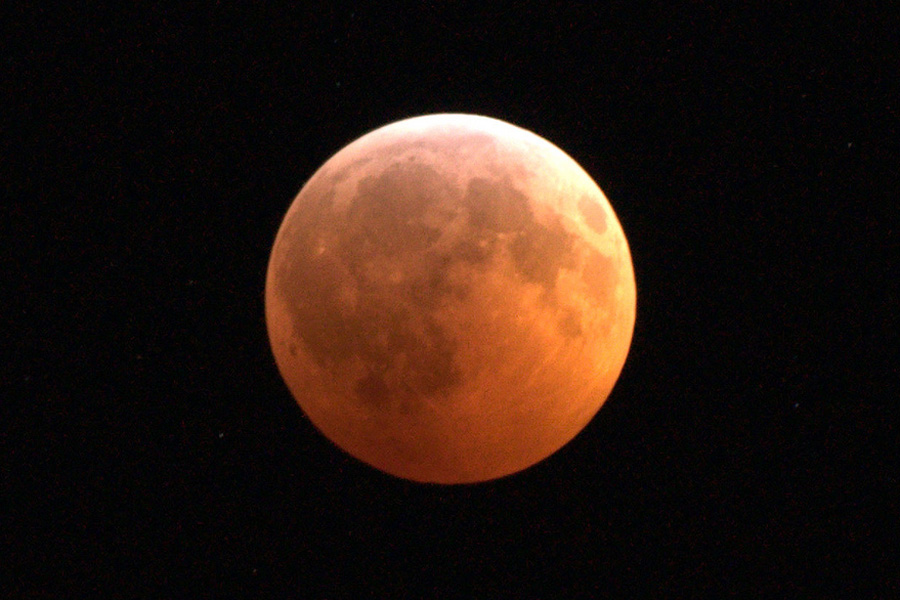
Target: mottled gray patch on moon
498,211
541,251
363,281
496,207
569,324
383,248
373,389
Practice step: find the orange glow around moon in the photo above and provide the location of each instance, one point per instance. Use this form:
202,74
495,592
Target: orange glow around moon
450,298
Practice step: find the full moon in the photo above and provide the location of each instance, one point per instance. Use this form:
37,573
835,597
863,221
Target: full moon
450,298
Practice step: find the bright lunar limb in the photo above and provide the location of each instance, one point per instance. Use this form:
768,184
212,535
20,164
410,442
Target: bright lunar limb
450,298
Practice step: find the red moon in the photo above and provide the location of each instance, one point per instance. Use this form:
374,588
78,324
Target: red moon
450,298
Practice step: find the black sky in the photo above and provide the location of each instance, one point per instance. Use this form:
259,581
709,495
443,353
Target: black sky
150,448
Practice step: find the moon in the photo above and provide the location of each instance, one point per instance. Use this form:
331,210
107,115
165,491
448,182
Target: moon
450,298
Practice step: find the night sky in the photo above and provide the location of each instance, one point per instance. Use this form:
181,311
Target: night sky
149,447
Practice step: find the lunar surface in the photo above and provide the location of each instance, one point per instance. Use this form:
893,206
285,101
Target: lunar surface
450,298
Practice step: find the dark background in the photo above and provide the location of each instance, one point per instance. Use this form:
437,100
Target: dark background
150,448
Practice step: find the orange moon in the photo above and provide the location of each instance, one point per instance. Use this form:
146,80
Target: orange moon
450,298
